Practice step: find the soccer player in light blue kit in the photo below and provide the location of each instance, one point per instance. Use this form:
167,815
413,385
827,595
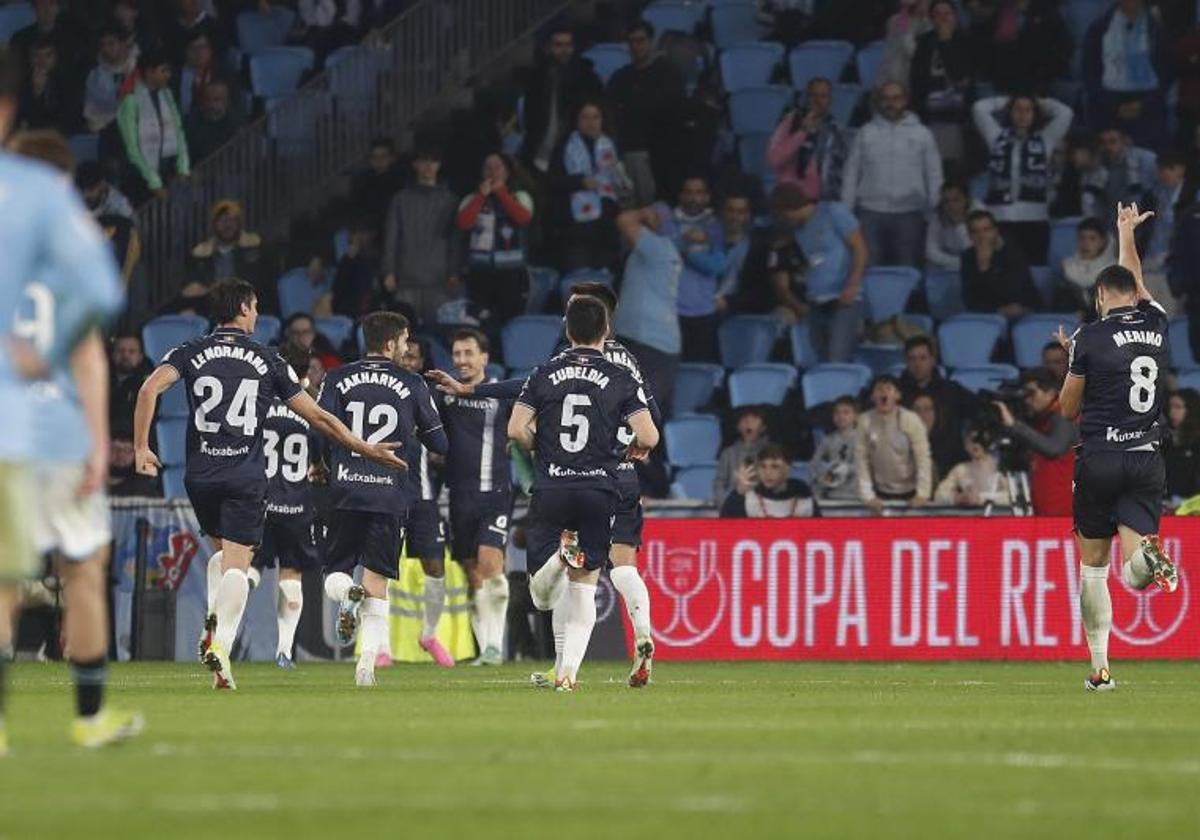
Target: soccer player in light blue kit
57,282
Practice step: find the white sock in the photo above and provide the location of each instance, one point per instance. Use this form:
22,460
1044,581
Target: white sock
214,578
495,616
581,618
374,628
229,605
291,602
629,583
558,620
435,600
254,576
548,583
1136,571
337,585
1095,605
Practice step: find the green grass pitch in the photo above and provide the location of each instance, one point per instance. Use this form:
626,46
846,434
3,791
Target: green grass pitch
714,750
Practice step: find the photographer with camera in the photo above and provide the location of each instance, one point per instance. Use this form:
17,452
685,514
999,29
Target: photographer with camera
1050,439
766,490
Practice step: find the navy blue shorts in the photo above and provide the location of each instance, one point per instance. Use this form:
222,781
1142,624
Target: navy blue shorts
227,511
627,524
1118,488
364,538
288,541
425,535
478,519
589,512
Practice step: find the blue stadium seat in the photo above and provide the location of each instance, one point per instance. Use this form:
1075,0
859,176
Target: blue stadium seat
173,402
84,147
887,288
607,59
439,355
736,23
692,440
943,291
583,275
825,383
920,320
257,31
173,486
695,383
757,109
166,331
543,285
868,61
1043,281
494,370
341,243
746,339
172,440
752,154
693,483
803,352
1189,379
1062,241
266,329
14,18
989,377
276,71
749,65
1181,347
1033,332
845,99
813,59
968,340
342,54
293,121
298,294
765,383
337,328
977,186
801,471
519,373
880,358
529,340
673,16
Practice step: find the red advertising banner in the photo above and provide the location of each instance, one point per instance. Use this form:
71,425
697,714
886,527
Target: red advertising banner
899,589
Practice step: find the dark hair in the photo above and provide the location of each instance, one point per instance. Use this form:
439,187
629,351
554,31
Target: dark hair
1117,278
789,196
152,58
127,333
1042,377
920,341
640,25
600,292
561,26
976,215
382,142
88,174
472,335
818,80
111,30
885,379
44,42
955,184
735,193
771,452
298,316
296,356
381,327
1171,158
426,351
226,298
591,102
46,145
1037,109
1094,225
196,36
427,151
1053,345
695,176
587,320
10,74
846,399
1190,429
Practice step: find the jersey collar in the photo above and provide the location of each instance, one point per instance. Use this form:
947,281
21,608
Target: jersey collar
230,331
591,351
1120,310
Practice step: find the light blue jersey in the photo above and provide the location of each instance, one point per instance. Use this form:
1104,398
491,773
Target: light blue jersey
58,279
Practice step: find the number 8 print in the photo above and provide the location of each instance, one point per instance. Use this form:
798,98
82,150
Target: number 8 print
1144,373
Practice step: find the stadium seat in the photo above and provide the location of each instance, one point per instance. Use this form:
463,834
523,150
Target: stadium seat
172,440
173,402
529,340
276,71
1043,281
673,16
920,320
803,352
166,331
868,61
1182,357
341,243
519,373
692,440
1062,241
825,383
14,18
887,289
693,483
943,291
439,355
84,147
985,377
746,339
752,154
293,121
736,23
257,31
813,59
172,480
801,471
695,383
968,340
297,292
583,275
757,109
880,358
1033,332
494,370
749,65
607,59
337,328
765,383
977,186
1189,379
845,99
266,329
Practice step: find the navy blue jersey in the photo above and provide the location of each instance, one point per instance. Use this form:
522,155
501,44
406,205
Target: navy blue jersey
580,401
231,382
478,432
426,483
1123,357
286,446
381,402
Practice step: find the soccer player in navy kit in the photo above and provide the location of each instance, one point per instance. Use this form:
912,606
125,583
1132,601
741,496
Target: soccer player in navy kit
232,381
568,414
383,402
1113,383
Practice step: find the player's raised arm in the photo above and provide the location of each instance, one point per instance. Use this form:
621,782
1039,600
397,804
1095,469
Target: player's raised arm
1128,219
520,426
335,430
164,376
645,432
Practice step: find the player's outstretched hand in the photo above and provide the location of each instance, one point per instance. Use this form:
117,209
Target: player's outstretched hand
1129,216
146,462
383,453
637,453
447,384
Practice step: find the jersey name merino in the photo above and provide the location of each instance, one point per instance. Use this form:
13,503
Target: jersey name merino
231,382
1123,357
580,400
286,444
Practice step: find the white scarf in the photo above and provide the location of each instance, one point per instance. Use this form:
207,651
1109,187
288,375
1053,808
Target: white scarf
599,165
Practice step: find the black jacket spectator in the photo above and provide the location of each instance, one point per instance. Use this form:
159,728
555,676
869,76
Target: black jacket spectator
51,95
1039,54
372,189
554,90
794,499
942,74
69,40
213,124
647,102
1004,282
128,371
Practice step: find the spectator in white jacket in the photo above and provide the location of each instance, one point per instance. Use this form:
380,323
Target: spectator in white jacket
946,237
1020,151
116,58
893,179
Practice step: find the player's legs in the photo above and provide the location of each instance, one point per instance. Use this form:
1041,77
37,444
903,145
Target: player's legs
1138,510
229,605
381,563
426,540
288,609
1095,606
591,514
626,538
491,604
18,561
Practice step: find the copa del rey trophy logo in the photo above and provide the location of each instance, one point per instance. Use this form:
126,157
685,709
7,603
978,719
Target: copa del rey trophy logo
692,601
1148,616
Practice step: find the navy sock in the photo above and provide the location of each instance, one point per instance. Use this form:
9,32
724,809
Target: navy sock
89,685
